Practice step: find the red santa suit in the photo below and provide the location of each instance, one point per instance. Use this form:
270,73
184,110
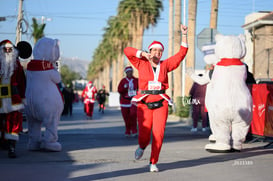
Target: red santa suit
127,88
88,95
152,86
12,95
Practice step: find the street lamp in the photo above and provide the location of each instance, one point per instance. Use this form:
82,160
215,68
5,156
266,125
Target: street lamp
43,19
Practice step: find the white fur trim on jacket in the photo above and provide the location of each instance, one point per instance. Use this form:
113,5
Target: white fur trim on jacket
125,105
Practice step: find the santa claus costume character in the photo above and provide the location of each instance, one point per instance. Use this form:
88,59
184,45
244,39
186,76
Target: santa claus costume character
88,95
127,88
152,101
12,95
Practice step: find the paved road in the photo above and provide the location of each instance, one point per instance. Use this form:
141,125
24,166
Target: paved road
97,150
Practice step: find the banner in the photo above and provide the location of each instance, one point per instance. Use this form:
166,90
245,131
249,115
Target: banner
262,122
268,129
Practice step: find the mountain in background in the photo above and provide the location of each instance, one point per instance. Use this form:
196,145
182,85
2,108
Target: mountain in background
76,65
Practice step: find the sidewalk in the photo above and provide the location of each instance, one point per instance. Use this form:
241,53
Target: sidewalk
97,150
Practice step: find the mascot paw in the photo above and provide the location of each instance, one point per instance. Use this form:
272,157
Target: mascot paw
218,148
55,146
236,147
212,138
234,150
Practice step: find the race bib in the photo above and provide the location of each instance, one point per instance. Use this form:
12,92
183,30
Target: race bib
131,93
154,85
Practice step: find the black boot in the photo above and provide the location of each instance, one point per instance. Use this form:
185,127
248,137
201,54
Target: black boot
11,151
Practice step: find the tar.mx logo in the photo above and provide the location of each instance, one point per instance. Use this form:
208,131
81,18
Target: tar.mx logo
186,101
242,163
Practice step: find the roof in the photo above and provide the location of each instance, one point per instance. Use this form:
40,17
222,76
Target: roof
264,20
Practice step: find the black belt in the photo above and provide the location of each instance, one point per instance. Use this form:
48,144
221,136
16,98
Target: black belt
153,92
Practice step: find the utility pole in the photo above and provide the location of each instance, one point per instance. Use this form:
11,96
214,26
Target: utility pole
19,22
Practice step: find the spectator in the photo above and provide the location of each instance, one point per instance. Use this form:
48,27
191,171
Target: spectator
197,94
101,98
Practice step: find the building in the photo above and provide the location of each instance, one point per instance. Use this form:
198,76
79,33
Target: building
259,42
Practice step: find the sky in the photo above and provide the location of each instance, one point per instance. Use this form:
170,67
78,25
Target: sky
79,24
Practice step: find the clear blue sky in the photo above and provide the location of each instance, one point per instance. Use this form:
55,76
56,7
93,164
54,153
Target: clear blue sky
78,24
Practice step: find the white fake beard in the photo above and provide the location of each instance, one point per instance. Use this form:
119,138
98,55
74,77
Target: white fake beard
8,63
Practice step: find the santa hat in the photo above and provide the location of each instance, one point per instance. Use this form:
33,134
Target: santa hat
156,44
128,68
6,44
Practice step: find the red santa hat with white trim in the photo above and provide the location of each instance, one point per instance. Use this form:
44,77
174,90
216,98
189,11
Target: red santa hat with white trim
6,44
156,44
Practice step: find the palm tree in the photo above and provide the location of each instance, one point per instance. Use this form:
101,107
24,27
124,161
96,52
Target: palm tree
191,40
126,28
38,30
213,14
140,15
119,37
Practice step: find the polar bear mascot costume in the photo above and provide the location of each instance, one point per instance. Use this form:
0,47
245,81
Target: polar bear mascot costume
44,100
228,100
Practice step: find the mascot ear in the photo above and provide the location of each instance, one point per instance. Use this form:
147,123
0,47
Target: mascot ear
218,37
242,39
25,49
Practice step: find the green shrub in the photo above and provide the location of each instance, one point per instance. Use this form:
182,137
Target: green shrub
170,110
182,106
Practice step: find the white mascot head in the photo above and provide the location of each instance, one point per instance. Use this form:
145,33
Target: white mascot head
46,49
230,46
226,47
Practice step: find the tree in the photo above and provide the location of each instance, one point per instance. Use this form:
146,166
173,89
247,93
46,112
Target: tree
124,29
38,30
190,63
68,75
214,14
140,15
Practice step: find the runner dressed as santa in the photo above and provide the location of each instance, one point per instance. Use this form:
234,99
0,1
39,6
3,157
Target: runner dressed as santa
152,101
12,95
89,95
127,88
